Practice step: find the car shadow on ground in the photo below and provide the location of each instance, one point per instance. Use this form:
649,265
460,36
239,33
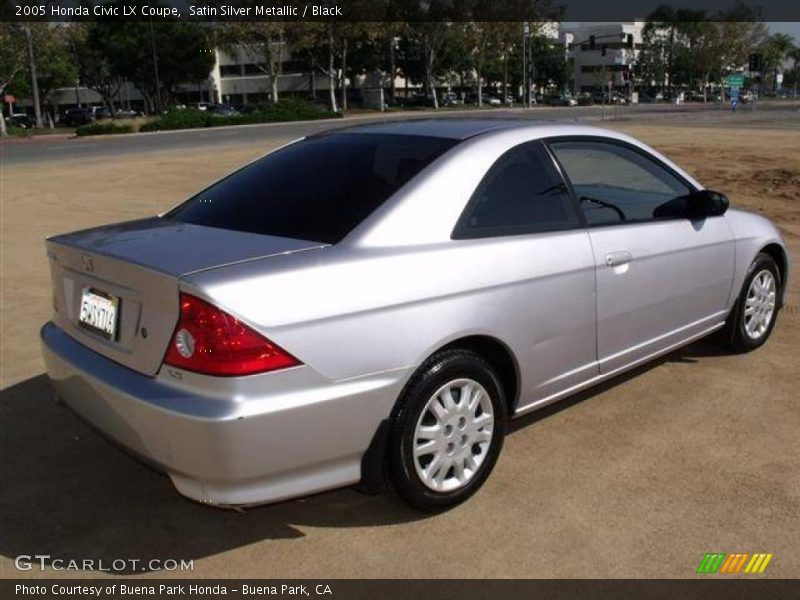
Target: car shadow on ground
70,494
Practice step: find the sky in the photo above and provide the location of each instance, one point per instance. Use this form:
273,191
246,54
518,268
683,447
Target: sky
790,27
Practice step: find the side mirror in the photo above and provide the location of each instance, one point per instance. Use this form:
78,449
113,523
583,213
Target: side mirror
697,205
706,203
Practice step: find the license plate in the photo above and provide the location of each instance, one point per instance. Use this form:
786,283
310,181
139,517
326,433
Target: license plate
99,313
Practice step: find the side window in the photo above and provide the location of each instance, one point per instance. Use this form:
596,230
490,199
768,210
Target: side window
521,193
614,183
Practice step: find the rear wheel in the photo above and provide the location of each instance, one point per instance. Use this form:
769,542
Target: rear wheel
447,431
753,317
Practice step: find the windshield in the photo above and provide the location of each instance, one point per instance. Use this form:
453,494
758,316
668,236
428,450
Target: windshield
318,189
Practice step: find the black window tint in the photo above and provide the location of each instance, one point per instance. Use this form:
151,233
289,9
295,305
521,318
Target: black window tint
521,193
319,189
615,183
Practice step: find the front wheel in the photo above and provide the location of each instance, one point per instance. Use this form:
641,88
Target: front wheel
447,431
753,317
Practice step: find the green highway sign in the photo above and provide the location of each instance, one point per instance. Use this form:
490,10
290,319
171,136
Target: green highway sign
736,80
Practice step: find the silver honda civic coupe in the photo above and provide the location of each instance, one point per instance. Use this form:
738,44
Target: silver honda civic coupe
373,304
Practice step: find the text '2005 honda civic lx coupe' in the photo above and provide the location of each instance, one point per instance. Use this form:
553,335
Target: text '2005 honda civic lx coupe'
375,303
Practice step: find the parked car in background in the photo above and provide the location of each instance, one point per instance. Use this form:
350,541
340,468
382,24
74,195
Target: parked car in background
486,99
202,105
561,100
323,329
101,112
415,101
21,120
584,99
222,110
601,97
126,113
746,96
78,116
450,99
247,109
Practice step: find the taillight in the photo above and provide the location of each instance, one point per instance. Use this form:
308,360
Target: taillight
209,340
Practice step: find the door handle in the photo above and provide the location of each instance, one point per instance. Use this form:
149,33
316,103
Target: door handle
616,259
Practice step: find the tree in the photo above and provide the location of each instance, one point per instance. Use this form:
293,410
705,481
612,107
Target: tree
183,51
92,52
37,109
319,38
262,39
13,53
432,35
389,35
775,50
550,68
793,77
478,35
56,67
507,38
664,35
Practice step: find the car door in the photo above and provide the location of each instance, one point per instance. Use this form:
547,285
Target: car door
662,278
523,213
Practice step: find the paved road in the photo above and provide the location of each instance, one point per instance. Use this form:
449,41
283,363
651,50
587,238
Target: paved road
42,149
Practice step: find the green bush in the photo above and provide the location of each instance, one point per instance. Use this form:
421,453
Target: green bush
285,110
103,128
294,109
189,118
19,132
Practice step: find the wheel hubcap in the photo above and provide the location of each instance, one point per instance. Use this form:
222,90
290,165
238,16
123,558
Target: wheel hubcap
759,306
453,435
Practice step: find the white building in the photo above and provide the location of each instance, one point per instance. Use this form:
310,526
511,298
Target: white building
603,54
239,76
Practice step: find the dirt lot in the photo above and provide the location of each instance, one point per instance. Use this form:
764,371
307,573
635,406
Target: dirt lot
698,452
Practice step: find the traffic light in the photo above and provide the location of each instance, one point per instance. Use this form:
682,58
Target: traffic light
591,42
630,41
605,48
754,63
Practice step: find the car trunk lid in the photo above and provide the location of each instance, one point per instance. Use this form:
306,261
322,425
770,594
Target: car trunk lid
137,265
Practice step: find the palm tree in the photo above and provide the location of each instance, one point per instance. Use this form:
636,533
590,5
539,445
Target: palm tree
776,50
794,55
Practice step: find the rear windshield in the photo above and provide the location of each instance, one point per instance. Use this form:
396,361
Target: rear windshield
318,189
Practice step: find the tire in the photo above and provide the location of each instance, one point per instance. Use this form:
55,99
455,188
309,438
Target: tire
741,333
465,440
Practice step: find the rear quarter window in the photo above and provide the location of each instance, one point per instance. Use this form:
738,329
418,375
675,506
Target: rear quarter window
318,189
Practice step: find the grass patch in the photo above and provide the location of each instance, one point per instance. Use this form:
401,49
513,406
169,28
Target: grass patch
19,132
103,128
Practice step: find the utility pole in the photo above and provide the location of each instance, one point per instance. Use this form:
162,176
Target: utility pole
155,67
37,109
525,87
532,75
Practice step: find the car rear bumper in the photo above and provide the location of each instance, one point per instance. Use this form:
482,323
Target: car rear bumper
301,434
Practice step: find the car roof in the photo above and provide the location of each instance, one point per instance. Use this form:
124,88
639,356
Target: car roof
452,128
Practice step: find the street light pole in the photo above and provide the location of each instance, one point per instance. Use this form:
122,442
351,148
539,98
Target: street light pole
155,66
525,87
531,74
37,108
